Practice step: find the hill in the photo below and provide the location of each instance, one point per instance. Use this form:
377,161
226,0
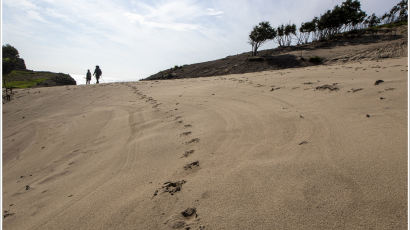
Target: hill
16,75
29,78
370,44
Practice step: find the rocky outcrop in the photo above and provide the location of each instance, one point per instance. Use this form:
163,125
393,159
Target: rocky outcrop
20,64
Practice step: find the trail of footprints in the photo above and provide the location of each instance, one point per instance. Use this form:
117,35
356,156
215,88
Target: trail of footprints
189,218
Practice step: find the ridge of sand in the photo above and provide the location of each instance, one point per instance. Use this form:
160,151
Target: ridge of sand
268,151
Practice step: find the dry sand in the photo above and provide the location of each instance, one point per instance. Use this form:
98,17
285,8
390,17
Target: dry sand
97,157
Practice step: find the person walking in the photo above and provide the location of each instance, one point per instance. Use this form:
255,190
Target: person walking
97,73
88,77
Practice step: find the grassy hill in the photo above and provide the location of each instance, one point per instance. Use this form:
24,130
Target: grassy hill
29,78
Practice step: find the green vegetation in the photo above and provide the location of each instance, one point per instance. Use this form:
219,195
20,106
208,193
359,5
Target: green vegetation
177,67
28,78
285,33
397,13
11,59
15,74
347,18
25,84
260,34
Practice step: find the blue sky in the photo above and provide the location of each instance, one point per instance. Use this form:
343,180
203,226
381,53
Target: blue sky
132,39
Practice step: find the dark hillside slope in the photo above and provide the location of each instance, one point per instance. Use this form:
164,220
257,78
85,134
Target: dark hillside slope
367,44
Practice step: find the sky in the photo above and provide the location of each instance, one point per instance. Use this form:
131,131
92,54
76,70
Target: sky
131,39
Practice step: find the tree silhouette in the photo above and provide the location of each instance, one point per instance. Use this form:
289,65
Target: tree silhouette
289,31
372,20
260,34
9,51
10,56
397,13
280,35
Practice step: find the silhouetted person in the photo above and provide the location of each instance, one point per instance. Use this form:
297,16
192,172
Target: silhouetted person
97,73
88,77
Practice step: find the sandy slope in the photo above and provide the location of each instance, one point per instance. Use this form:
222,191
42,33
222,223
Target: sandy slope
292,158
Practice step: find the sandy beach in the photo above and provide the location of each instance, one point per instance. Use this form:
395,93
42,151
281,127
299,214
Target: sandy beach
319,147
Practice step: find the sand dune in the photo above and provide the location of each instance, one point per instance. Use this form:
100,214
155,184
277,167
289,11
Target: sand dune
266,150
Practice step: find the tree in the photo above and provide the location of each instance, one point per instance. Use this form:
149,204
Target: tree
260,34
11,59
9,51
306,30
403,9
352,13
289,30
281,35
372,20
397,13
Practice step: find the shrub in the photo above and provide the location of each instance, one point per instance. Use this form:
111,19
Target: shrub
316,60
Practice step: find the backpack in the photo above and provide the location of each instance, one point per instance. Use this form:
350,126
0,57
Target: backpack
99,72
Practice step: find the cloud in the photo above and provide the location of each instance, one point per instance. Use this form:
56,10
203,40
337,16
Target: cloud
132,39
213,12
162,24
34,15
21,4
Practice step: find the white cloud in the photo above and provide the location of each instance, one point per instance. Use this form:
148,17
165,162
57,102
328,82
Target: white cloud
146,21
21,4
132,39
213,12
34,15
55,14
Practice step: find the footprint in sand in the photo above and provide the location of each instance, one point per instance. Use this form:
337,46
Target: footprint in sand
188,152
186,133
170,187
7,214
189,212
187,126
191,165
194,140
187,219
